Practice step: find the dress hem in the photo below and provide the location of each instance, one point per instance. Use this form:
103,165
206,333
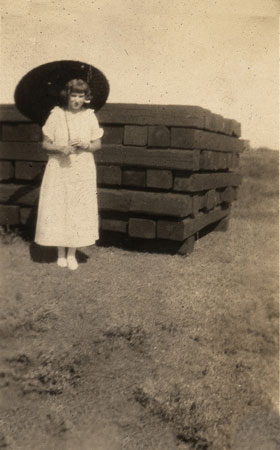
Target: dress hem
63,244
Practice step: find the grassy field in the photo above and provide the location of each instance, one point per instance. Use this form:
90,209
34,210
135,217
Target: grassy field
141,351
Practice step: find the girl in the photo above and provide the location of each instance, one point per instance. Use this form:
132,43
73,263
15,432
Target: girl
68,211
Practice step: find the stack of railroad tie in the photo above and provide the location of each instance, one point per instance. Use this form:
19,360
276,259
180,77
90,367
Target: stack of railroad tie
167,172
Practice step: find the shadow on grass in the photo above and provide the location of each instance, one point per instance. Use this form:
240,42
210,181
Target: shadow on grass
124,242
152,246
47,255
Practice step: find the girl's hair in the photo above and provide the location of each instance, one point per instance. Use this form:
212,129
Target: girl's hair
76,85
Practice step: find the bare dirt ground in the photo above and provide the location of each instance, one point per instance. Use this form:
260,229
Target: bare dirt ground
141,351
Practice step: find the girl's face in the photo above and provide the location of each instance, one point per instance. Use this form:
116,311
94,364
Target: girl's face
76,101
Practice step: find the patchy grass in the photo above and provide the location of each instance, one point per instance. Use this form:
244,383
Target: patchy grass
148,351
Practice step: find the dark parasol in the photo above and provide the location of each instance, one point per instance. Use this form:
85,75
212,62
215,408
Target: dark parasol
39,90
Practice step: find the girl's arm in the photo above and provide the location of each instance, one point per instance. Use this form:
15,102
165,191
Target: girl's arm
48,145
94,145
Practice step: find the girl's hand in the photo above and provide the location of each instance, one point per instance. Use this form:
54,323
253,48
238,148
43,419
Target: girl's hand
83,145
75,142
67,150
79,145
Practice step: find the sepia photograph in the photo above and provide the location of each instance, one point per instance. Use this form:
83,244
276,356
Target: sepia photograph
139,225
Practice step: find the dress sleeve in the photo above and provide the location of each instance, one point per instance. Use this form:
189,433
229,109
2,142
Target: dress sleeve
51,124
95,131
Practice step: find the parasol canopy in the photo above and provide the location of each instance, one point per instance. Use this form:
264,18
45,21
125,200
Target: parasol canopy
39,90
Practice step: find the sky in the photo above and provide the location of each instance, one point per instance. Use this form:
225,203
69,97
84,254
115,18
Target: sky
221,55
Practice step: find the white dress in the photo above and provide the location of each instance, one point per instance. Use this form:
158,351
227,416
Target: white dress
68,210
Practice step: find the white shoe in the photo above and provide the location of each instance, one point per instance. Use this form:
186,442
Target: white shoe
72,263
61,262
